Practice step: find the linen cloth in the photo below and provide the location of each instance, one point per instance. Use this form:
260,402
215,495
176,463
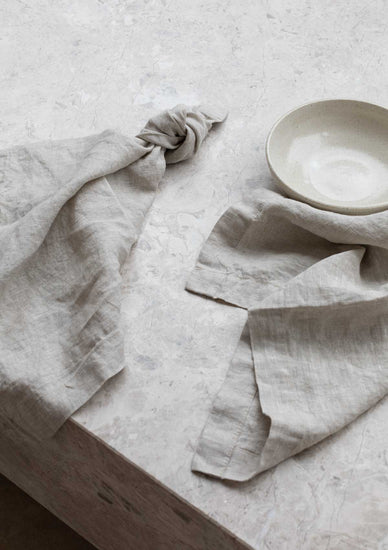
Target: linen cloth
70,212
314,352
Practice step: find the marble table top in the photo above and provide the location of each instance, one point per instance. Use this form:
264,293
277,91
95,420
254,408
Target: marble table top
74,68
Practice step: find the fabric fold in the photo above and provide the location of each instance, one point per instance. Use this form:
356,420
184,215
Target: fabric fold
70,212
315,285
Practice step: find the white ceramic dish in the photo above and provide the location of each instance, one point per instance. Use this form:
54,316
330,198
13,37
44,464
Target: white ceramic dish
333,154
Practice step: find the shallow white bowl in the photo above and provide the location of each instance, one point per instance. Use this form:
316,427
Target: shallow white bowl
333,154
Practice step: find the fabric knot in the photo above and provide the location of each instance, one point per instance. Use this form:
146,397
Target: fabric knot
181,130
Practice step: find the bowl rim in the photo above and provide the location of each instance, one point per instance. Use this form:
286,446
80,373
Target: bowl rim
331,206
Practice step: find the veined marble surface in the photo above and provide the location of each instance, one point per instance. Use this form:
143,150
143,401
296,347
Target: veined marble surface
74,68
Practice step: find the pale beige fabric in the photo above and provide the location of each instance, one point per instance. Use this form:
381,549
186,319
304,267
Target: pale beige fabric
70,211
314,353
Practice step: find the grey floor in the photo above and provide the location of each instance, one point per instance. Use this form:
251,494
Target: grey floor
25,525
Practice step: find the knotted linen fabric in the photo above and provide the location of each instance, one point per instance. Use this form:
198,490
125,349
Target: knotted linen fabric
70,211
313,355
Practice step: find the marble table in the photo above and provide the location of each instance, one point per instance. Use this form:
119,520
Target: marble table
119,470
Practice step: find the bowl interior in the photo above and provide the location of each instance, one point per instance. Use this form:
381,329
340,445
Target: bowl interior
333,154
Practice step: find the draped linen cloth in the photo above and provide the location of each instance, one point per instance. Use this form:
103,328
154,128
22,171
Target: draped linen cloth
313,354
70,212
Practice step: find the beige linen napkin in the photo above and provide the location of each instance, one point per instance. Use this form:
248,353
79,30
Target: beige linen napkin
314,352
70,211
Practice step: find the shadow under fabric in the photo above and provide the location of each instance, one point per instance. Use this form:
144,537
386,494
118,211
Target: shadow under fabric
70,212
313,355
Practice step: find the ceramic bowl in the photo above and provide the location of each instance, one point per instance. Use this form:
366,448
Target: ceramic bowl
333,154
